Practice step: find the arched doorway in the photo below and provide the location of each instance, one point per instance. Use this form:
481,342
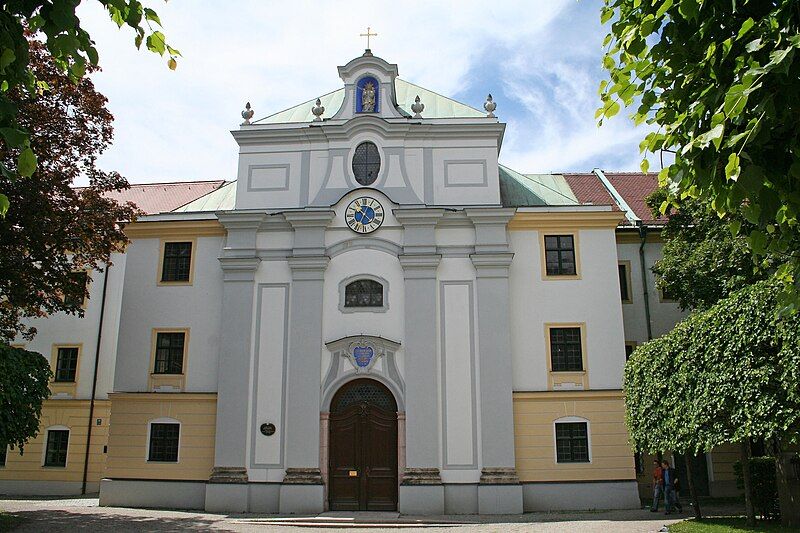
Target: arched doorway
363,448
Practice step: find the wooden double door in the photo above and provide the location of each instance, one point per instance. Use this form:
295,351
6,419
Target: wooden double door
363,448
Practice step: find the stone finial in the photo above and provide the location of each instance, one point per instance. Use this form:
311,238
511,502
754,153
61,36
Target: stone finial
247,114
490,106
318,110
417,107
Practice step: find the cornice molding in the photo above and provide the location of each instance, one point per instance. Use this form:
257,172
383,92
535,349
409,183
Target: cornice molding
178,228
565,219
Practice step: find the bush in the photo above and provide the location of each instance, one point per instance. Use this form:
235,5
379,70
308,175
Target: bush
765,488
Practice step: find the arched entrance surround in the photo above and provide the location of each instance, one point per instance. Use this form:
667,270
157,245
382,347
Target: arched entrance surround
363,447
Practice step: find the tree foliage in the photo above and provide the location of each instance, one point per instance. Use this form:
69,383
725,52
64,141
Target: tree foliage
55,23
702,262
720,83
722,375
53,229
24,380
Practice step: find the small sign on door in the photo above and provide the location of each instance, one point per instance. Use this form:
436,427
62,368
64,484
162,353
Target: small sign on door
354,473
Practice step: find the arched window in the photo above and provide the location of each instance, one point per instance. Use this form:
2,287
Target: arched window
363,293
366,163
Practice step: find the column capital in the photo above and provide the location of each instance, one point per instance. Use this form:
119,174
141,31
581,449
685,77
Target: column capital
308,267
492,265
490,227
419,266
419,229
239,268
309,218
242,227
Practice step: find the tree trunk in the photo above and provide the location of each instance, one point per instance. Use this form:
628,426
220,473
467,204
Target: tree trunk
698,514
748,486
788,490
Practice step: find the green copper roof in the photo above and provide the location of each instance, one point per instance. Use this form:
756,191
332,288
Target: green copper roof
528,190
222,199
436,105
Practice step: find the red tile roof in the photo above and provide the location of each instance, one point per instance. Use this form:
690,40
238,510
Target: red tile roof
634,187
588,189
153,198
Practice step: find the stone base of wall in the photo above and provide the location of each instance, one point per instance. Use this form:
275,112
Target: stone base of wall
19,487
153,494
584,495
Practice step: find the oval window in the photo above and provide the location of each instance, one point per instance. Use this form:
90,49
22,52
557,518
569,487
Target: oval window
366,163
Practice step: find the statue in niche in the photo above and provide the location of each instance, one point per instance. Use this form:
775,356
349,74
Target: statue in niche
368,98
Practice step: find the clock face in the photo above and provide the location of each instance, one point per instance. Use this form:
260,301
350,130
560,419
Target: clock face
364,215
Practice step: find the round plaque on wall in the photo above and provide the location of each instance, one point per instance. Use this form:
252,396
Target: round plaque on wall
268,429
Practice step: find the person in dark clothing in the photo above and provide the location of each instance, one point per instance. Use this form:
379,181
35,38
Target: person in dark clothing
670,488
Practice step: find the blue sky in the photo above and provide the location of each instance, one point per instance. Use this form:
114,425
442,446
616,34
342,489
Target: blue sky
540,59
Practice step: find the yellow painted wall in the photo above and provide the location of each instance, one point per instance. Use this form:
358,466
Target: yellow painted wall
128,446
73,414
534,436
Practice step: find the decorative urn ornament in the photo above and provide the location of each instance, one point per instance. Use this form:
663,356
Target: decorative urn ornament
490,106
417,107
247,114
318,110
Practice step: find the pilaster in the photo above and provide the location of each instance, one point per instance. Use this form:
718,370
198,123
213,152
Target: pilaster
302,488
499,491
421,491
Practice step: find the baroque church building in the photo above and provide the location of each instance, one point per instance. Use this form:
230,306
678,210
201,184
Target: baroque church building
376,315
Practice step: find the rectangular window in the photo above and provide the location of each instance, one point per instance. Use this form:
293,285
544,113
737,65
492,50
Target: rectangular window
566,354
169,353
560,255
164,442
177,261
57,444
624,282
75,295
66,364
572,442
3,453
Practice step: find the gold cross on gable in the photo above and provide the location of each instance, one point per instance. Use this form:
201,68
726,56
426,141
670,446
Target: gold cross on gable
368,35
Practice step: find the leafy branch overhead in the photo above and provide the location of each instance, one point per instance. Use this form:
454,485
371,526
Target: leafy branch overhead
719,81
56,24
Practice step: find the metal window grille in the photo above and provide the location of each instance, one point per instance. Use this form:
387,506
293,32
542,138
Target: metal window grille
364,393
57,445
177,261
560,255
164,442
66,364
363,293
366,163
565,349
169,353
572,442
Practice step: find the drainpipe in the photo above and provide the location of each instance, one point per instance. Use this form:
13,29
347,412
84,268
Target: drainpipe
636,221
643,237
94,379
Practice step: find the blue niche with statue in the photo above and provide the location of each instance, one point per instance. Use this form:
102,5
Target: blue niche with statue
367,90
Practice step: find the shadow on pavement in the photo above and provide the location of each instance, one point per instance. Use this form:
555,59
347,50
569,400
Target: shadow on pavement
57,521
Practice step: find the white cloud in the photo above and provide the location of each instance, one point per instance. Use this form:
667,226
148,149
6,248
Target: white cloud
175,125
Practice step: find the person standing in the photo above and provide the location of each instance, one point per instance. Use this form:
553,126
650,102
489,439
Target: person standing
670,485
658,485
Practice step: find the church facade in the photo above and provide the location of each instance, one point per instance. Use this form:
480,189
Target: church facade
376,315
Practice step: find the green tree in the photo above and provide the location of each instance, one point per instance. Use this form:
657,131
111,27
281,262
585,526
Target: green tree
702,262
53,229
25,379
71,49
720,83
723,375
